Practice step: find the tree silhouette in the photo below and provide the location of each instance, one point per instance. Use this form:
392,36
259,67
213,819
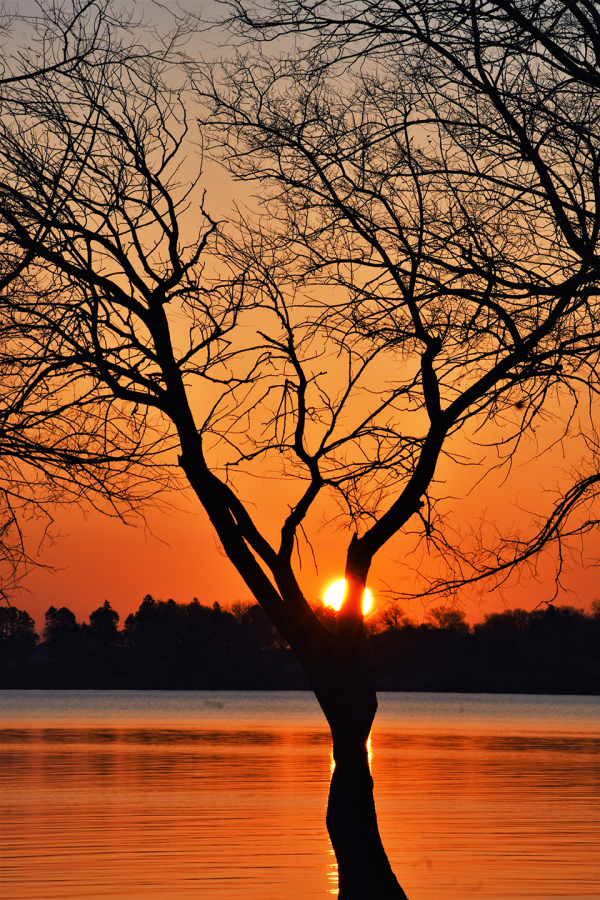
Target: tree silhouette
60,625
60,37
46,444
479,127
426,268
430,188
17,633
183,639
452,619
103,625
168,645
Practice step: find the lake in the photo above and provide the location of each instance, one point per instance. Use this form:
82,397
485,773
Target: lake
221,795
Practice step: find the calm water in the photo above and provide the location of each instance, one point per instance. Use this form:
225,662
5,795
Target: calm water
222,795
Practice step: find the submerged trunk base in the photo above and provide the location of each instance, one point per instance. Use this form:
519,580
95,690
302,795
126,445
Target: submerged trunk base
363,867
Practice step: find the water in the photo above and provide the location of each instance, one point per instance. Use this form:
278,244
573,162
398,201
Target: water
221,795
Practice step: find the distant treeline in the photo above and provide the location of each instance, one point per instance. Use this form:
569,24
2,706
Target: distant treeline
168,645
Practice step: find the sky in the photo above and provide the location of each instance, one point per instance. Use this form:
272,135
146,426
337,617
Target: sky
175,554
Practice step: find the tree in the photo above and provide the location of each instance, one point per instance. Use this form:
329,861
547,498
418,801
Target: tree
61,627
188,644
497,104
392,618
452,619
103,625
53,452
424,271
17,633
61,36
433,167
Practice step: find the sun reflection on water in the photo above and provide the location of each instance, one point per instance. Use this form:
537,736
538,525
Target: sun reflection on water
332,874
332,869
369,755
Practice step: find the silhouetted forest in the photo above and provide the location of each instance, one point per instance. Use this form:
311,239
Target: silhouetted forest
168,645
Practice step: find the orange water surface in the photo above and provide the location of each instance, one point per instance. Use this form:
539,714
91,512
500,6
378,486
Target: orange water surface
222,797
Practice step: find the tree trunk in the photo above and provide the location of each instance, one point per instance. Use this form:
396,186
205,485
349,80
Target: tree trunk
363,867
346,692
340,670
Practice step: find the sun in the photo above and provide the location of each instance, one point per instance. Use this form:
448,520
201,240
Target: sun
335,594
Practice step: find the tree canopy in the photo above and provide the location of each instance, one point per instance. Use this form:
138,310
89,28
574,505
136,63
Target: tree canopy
58,444
433,167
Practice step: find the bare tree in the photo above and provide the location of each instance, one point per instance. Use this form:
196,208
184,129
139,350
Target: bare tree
54,450
503,98
426,268
60,37
431,175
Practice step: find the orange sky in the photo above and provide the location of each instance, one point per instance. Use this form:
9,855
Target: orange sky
95,558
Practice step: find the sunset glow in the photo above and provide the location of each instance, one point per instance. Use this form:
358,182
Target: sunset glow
335,594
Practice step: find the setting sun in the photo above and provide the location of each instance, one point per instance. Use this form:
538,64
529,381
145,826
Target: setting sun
335,594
